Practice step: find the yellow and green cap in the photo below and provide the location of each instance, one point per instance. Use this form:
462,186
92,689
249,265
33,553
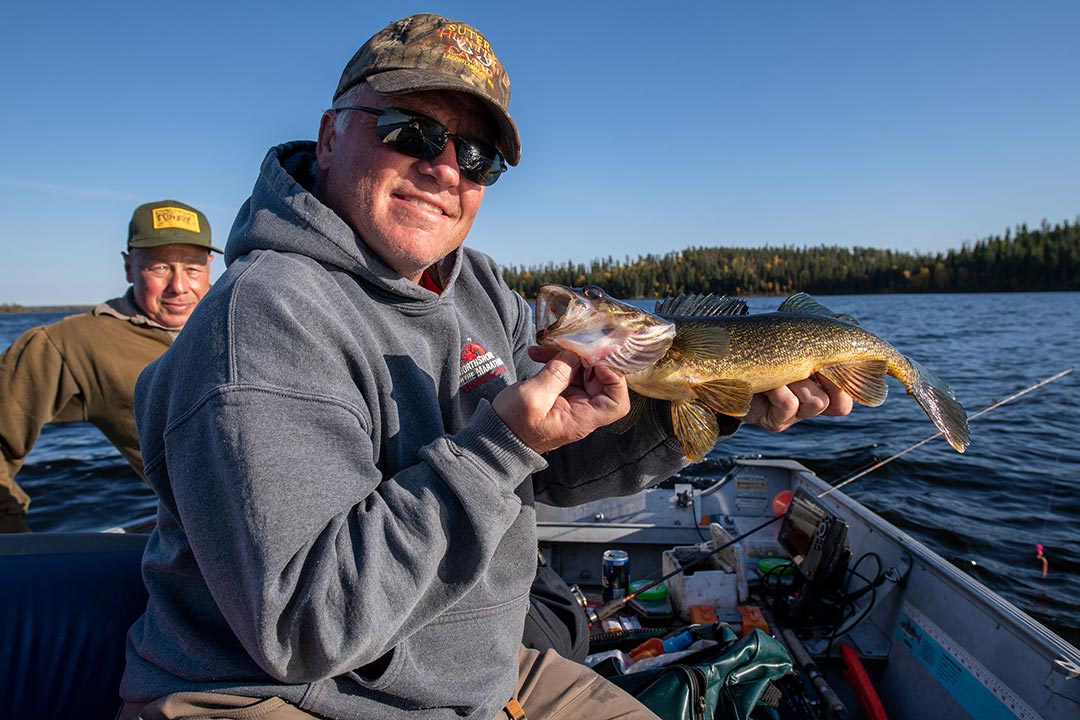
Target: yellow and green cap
429,52
169,222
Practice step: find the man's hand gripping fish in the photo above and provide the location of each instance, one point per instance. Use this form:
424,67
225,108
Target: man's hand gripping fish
706,355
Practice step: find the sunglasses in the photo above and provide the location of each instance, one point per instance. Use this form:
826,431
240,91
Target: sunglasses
419,136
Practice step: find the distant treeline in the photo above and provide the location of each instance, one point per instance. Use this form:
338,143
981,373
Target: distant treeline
1021,260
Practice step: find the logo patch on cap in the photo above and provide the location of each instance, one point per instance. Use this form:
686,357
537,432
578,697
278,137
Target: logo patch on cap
174,217
467,47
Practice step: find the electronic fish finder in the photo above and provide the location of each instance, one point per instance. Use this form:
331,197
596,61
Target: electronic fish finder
815,539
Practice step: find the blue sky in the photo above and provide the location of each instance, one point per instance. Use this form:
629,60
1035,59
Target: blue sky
646,127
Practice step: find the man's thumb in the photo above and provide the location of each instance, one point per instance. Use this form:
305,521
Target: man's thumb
557,372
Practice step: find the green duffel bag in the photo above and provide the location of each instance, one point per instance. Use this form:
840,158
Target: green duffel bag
722,682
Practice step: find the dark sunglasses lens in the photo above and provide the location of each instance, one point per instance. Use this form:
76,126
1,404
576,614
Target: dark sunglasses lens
479,162
413,135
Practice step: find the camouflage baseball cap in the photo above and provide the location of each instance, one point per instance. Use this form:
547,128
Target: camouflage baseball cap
429,52
169,222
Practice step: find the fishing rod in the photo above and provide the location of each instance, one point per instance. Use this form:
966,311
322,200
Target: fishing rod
613,606
922,442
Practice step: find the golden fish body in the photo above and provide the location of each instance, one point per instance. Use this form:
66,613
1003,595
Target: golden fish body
719,357
763,351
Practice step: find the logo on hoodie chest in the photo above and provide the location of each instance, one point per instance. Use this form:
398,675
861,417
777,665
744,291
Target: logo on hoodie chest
478,366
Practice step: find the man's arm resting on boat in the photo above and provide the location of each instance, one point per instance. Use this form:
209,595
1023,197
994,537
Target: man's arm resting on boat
37,389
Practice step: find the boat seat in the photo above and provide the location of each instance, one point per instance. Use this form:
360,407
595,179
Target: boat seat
65,609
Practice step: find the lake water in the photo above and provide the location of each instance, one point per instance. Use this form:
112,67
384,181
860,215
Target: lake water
1018,484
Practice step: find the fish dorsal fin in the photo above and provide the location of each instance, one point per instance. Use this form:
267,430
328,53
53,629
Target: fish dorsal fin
695,427
701,340
630,419
863,380
802,303
730,397
707,305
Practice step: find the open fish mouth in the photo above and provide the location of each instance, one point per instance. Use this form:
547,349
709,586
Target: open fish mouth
550,308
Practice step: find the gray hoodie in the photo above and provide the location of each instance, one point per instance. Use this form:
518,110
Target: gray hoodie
344,521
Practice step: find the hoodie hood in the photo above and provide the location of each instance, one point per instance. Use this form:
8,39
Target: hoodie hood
284,215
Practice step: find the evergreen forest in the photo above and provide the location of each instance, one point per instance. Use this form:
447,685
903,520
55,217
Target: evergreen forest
1046,258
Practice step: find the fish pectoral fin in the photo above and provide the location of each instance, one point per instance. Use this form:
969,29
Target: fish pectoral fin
630,419
695,427
863,380
730,397
701,341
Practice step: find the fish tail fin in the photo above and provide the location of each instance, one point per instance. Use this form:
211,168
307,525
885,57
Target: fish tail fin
695,427
940,403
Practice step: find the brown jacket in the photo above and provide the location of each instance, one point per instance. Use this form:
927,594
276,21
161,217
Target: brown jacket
83,367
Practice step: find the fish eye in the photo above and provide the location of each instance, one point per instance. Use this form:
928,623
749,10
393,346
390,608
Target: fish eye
592,292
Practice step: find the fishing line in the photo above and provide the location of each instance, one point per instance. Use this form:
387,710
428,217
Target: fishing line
1042,533
922,442
1050,497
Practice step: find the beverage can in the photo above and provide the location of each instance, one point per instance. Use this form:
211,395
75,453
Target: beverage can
616,574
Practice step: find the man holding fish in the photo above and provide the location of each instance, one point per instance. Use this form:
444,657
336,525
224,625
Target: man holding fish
349,442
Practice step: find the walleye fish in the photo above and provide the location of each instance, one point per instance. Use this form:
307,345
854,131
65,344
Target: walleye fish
706,355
